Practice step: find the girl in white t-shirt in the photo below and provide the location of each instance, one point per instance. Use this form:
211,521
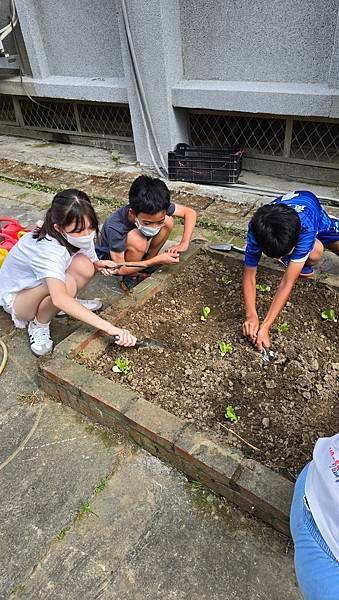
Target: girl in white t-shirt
315,523
45,270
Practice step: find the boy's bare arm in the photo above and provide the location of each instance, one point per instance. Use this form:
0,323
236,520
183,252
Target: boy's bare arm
281,297
160,259
190,216
251,324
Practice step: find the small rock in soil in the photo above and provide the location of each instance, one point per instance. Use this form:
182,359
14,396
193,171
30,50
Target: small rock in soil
266,422
313,365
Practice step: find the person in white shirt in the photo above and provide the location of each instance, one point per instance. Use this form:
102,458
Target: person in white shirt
45,270
315,523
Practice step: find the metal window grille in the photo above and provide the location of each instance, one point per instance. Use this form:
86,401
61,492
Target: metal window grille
257,134
57,116
106,119
89,119
315,141
7,114
293,138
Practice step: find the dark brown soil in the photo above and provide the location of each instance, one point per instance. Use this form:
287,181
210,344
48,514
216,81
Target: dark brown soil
283,407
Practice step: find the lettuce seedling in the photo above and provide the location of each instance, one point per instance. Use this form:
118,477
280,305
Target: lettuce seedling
121,365
225,279
204,313
283,327
262,287
230,414
225,348
328,314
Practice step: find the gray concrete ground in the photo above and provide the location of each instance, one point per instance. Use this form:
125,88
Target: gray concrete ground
86,514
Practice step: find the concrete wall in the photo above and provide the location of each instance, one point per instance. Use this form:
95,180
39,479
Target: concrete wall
254,40
251,56
80,37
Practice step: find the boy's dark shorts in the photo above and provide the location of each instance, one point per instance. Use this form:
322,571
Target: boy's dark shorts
332,235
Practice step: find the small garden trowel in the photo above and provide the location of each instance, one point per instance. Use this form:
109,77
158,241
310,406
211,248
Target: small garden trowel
145,343
267,355
226,248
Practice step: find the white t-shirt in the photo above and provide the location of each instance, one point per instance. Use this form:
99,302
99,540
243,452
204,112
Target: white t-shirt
30,261
322,490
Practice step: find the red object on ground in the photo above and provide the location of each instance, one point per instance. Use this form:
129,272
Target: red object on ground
12,229
10,233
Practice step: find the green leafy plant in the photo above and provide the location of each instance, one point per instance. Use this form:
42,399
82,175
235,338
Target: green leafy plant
283,327
225,280
230,414
86,508
116,156
63,533
225,347
262,287
328,314
121,365
101,486
205,312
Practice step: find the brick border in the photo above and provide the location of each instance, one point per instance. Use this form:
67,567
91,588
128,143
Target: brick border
224,469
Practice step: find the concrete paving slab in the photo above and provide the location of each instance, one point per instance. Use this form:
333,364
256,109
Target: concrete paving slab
26,213
45,484
72,157
153,536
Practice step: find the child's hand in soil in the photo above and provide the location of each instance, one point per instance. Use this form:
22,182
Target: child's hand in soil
263,339
168,258
182,247
251,327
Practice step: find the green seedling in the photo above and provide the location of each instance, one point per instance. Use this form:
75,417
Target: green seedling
262,287
225,348
283,327
100,487
328,314
230,414
225,280
116,156
63,533
121,365
205,313
86,508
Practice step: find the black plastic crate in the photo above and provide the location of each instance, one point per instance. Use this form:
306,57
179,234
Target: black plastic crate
204,164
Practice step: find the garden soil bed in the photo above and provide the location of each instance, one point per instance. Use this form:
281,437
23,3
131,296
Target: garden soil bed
283,407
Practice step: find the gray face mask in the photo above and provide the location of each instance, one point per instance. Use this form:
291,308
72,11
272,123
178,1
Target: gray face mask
146,230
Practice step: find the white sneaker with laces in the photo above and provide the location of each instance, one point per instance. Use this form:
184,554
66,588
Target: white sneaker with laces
39,338
92,305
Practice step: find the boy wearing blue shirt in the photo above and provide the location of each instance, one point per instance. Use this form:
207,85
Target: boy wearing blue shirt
135,233
295,229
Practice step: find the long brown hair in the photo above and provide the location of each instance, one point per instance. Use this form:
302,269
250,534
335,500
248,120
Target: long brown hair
69,206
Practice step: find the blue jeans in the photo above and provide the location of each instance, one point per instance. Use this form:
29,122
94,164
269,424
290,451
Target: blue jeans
316,568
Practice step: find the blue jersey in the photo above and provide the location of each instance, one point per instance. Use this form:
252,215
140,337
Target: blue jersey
315,222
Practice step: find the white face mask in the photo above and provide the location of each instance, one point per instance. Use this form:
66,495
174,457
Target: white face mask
146,230
83,242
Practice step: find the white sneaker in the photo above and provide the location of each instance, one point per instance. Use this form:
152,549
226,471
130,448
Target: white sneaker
92,305
39,338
